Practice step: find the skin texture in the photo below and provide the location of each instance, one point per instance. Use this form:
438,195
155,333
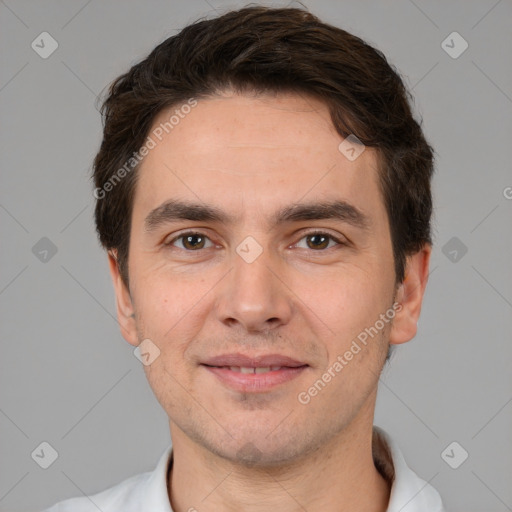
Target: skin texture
249,156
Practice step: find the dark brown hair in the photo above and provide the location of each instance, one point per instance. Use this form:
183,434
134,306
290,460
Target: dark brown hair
269,50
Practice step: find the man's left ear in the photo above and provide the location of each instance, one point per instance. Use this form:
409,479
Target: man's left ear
410,296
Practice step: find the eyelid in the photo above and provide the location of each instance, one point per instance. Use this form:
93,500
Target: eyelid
318,231
183,234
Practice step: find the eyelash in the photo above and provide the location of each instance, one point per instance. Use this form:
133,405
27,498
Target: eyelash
198,233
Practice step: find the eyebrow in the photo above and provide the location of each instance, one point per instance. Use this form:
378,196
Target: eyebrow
176,210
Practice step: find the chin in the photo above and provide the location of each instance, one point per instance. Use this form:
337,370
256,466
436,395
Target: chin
254,447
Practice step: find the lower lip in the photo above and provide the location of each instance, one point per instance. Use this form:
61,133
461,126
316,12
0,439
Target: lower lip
255,382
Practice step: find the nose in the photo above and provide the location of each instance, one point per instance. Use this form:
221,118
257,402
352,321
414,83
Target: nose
254,296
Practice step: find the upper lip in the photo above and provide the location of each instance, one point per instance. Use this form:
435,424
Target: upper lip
241,360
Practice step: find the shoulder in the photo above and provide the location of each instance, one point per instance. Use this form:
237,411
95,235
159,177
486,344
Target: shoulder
125,496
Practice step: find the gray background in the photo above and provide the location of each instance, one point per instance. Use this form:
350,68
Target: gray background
67,376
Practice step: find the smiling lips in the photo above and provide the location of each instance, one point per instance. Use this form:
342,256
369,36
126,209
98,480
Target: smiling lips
243,369
254,374
243,361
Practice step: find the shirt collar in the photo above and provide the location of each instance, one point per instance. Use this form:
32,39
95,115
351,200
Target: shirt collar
409,493
156,496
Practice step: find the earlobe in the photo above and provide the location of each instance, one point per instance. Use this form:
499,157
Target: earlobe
410,296
124,305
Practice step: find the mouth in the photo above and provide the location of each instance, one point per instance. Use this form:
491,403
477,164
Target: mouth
254,374
247,370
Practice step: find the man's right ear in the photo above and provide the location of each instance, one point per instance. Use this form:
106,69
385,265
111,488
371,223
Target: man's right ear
124,305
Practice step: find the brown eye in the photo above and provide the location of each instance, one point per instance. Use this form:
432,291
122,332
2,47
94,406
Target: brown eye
190,241
193,241
319,241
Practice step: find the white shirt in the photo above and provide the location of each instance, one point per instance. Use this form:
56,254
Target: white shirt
147,492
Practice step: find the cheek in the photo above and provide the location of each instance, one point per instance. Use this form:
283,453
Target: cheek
168,313
168,310
165,295
344,302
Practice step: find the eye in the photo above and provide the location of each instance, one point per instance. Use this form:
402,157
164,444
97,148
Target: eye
191,241
319,240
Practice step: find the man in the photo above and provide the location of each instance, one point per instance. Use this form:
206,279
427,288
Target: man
263,192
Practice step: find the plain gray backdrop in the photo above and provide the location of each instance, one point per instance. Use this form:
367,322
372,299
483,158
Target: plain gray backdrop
67,376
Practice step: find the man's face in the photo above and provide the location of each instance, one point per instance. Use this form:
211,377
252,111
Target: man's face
250,285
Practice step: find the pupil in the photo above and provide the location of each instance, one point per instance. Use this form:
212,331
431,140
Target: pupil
190,238
318,236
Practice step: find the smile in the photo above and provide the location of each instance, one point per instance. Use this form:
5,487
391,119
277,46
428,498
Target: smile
254,379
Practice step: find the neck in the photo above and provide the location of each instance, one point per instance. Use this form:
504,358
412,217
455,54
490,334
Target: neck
339,477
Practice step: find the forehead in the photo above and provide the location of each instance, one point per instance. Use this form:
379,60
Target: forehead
283,123
238,150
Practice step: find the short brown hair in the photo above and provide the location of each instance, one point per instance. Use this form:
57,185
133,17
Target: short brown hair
270,50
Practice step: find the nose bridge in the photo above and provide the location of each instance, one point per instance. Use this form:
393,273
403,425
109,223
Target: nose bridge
253,296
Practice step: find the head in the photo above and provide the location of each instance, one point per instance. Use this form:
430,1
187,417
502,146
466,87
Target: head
237,127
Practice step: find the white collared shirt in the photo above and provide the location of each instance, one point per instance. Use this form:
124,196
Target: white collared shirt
147,492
